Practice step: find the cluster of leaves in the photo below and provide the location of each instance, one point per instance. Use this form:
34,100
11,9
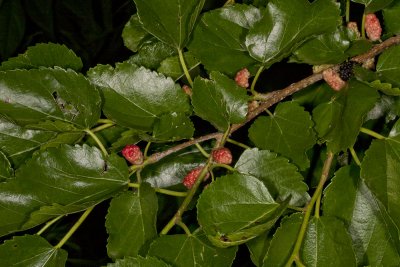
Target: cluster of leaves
54,118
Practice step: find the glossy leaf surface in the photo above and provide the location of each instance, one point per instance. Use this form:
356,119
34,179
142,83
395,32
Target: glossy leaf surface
218,39
66,180
236,208
339,120
388,66
135,97
131,222
173,127
328,48
373,234
287,24
288,132
380,170
280,177
170,21
6,172
31,96
191,251
44,55
227,102
31,250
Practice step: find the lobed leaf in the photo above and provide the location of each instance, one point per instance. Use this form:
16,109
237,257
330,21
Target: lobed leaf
226,101
288,132
131,222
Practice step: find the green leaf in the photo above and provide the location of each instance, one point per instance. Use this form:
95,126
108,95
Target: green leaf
287,24
388,66
282,243
135,97
172,169
219,100
67,178
327,236
218,39
6,172
235,209
12,27
131,222
258,248
391,17
134,35
288,132
170,21
326,243
173,127
138,262
380,171
372,6
386,88
280,177
191,251
349,199
127,137
314,95
338,121
152,54
31,250
172,67
327,48
44,55
31,96
18,143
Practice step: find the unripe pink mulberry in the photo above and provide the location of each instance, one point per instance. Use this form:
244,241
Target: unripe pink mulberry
242,78
373,27
333,79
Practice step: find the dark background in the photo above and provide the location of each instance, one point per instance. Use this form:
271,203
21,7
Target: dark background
92,29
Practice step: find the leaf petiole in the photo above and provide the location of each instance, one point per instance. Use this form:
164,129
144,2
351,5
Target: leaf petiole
184,67
253,84
355,157
97,140
371,133
48,224
162,191
324,177
74,227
